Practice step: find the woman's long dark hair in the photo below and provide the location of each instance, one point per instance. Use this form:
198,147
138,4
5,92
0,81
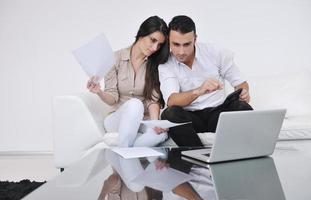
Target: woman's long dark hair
149,26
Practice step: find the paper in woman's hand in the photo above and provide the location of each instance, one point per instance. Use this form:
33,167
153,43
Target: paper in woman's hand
136,152
96,56
161,123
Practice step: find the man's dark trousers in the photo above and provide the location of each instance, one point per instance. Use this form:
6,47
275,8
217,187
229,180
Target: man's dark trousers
202,121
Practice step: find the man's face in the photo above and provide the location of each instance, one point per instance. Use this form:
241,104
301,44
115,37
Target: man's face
182,45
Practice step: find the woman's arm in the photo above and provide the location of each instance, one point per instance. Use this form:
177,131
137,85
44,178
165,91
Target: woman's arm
110,95
107,98
154,111
94,86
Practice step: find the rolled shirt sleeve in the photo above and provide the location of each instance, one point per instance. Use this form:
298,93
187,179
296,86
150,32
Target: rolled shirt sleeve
228,69
169,83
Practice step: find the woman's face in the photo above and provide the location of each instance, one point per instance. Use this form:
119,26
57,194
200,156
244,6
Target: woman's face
151,43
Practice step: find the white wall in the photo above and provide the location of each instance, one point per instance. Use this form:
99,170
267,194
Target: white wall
36,38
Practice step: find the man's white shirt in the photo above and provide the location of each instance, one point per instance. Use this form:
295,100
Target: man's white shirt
210,62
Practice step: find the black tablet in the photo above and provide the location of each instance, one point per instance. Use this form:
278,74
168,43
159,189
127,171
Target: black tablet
233,96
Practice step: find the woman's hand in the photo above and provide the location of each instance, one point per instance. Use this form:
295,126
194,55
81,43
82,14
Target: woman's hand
159,130
161,164
93,85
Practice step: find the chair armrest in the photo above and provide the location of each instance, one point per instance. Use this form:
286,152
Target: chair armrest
77,126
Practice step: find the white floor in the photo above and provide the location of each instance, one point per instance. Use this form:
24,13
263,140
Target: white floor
34,167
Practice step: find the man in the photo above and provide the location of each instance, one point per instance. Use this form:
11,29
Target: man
192,82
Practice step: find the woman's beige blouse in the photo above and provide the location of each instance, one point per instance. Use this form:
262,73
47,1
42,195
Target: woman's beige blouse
122,84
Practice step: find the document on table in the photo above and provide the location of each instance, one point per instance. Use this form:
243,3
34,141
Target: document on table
96,56
136,152
164,179
161,123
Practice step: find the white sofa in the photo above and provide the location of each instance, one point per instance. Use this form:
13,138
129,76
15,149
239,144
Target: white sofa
78,118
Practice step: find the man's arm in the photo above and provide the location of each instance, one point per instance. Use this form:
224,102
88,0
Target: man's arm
185,98
244,96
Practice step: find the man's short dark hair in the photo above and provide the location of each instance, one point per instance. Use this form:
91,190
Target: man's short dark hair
182,24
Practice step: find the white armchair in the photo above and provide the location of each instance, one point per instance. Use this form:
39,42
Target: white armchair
77,126
78,119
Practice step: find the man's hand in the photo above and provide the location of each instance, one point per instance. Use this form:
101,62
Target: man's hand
244,96
185,98
208,86
93,85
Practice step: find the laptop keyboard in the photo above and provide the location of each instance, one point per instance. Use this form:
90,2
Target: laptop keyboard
295,134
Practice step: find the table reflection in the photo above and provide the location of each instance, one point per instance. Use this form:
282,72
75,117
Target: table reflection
171,177
247,179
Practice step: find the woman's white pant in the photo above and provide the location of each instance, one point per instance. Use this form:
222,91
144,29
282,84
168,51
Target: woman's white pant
126,121
128,169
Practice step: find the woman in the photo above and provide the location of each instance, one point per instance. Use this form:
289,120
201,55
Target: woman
132,86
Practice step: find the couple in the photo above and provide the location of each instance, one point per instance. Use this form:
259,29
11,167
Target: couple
167,60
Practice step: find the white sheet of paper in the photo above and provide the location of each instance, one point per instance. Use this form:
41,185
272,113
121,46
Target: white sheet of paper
136,152
162,179
161,123
96,56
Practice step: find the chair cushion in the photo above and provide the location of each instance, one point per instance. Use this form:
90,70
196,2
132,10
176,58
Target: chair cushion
286,88
111,138
295,134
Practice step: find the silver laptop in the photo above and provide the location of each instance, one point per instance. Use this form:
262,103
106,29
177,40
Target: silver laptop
241,135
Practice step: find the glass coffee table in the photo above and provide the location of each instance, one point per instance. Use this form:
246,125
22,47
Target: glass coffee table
104,174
